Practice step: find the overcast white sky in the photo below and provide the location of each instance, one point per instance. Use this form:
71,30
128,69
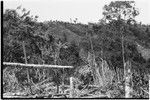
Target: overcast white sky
85,10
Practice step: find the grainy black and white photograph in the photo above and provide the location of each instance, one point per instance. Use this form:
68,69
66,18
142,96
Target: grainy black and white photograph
75,49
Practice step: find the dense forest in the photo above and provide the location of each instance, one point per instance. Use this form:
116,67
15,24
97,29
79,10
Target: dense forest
102,54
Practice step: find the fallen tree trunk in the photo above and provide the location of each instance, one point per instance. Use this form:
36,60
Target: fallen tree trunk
36,65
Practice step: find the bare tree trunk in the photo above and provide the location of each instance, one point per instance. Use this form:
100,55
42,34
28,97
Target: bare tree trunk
128,80
71,87
122,44
55,61
126,74
149,87
103,73
95,71
118,74
28,77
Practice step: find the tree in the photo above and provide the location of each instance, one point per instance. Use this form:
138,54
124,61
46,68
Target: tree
18,30
121,11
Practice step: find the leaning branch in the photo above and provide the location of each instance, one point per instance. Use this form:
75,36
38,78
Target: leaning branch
36,65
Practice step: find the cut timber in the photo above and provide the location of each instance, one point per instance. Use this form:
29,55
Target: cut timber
36,65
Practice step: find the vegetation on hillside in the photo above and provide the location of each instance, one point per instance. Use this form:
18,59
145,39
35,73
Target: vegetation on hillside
97,51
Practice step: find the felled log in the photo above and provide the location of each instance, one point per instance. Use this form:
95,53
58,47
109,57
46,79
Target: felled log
95,96
36,65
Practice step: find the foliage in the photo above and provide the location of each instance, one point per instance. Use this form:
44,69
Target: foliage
64,43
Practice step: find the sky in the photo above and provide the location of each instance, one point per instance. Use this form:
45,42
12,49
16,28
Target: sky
62,10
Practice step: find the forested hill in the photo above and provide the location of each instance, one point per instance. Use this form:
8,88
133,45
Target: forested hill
42,40
110,57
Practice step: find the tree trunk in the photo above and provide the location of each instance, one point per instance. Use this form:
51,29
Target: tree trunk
149,87
28,77
122,44
57,85
103,73
95,71
71,87
127,87
118,74
128,80
127,67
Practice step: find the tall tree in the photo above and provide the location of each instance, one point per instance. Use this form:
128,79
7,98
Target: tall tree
121,11
19,29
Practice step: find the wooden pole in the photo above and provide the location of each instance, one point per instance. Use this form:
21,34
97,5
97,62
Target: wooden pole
71,87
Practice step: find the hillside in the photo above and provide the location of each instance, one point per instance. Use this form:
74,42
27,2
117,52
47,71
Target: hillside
98,52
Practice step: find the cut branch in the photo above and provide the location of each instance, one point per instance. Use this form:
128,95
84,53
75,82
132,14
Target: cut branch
36,65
